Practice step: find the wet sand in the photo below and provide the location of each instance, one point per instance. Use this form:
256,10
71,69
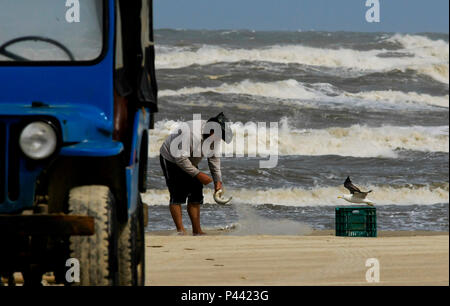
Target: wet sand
405,258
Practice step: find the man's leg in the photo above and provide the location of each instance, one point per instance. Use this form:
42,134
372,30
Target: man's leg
175,211
176,190
194,214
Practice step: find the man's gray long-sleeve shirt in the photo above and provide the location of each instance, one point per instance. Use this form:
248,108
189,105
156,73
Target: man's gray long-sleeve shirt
185,158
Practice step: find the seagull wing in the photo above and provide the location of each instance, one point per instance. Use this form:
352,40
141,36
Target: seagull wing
360,195
352,188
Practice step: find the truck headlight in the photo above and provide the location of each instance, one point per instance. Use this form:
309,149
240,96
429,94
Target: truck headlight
38,140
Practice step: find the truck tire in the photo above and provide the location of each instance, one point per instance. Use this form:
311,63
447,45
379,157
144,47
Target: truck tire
132,250
97,254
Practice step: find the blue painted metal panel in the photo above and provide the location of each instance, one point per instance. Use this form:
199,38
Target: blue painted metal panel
141,122
78,122
94,149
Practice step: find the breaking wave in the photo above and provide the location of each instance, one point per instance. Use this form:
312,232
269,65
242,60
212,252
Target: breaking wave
429,57
356,141
321,196
292,89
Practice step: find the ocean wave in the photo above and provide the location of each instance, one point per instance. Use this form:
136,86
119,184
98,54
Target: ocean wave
320,196
424,48
429,57
437,71
356,141
292,89
422,45
396,97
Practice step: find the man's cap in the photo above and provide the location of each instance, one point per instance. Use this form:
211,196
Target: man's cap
227,133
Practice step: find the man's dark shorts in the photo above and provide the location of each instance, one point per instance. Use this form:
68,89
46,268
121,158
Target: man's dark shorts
181,185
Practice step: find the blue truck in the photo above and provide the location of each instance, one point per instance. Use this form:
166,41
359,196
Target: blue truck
78,94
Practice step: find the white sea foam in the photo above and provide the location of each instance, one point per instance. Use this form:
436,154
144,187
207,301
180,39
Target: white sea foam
397,97
429,57
292,89
289,89
422,45
356,141
321,196
345,58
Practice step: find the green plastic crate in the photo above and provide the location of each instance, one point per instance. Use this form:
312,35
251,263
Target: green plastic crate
356,221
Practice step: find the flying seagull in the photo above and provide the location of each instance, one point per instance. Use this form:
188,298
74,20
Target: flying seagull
356,195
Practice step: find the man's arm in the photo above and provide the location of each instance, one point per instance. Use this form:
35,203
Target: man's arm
185,164
214,167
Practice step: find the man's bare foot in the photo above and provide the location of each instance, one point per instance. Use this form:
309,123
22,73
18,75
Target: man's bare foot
182,233
199,233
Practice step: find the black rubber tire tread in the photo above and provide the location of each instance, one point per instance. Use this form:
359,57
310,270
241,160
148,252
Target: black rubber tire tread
130,252
93,252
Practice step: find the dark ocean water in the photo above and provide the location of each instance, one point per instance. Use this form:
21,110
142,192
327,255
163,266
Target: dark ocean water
370,105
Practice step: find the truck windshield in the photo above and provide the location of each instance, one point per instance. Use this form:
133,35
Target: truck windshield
51,30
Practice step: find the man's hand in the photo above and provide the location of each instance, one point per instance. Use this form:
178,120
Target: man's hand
217,186
204,178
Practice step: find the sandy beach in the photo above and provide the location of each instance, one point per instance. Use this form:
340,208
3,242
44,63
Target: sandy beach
365,105
405,258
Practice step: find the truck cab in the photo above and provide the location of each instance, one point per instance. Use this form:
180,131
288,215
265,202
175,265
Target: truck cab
78,94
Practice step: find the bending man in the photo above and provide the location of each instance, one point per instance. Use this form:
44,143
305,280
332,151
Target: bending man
180,155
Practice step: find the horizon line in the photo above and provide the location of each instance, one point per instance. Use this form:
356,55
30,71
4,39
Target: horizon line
300,31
